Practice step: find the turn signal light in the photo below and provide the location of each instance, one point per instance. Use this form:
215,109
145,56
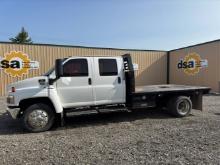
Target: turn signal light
12,89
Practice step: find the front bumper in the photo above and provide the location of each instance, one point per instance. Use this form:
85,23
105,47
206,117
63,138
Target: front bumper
13,112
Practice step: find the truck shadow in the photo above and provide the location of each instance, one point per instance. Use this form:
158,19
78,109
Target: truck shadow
115,117
8,126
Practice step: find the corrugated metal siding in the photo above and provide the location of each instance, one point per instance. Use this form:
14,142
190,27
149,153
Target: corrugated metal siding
152,64
207,76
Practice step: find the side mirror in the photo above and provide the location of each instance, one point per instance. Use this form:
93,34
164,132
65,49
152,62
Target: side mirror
59,68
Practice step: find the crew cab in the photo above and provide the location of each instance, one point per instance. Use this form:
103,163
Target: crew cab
93,83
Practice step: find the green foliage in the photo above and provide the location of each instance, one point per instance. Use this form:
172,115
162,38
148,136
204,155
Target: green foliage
22,37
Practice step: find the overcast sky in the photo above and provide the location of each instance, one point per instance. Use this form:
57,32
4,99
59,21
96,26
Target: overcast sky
140,24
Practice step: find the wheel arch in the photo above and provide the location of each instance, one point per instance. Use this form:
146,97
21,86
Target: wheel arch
165,98
30,101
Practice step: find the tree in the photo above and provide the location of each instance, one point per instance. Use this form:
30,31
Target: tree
22,37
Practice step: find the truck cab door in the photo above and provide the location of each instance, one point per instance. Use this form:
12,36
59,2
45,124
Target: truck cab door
75,88
108,80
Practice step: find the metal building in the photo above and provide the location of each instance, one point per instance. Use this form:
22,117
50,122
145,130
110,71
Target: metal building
206,72
151,64
193,65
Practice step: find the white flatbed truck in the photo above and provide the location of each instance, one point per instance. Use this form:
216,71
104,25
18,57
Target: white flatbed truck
93,83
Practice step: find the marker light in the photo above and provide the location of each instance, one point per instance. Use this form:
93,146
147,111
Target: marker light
12,89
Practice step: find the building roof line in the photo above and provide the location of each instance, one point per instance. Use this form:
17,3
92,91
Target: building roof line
87,47
199,44
109,48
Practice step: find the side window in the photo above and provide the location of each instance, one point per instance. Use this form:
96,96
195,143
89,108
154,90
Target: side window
76,67
108,67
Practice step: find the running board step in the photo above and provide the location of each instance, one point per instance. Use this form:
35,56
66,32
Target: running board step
94,111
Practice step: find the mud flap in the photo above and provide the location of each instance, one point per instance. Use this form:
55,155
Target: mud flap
197,101
60,119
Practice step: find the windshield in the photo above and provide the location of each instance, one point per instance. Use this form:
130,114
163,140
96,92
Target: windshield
49,72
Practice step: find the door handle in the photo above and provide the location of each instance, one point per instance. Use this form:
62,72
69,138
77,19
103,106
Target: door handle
119,80
89,81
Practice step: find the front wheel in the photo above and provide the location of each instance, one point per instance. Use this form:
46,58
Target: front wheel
180,106
38,118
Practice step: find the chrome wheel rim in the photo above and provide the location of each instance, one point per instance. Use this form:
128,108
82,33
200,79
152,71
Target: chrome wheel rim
38,118
183,107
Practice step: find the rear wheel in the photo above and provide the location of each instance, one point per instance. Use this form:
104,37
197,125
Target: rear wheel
38,118
180,106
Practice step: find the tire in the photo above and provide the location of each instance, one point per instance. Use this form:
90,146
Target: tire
180,106
38,118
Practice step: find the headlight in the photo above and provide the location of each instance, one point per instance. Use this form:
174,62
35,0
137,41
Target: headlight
10,100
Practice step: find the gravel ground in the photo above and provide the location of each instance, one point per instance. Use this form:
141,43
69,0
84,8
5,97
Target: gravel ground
143,137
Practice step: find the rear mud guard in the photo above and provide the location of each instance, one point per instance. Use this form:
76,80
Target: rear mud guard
197,101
